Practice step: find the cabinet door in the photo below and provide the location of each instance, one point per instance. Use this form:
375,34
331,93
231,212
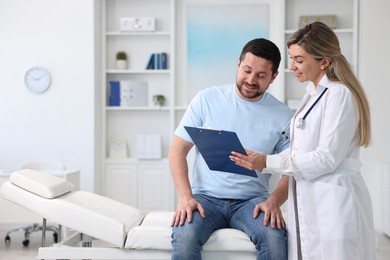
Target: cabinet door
156,191
120,183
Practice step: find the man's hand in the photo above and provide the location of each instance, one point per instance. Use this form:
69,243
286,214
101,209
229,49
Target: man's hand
272,213
184,211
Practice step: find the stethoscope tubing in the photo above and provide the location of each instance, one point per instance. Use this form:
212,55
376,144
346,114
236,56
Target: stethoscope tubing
301,120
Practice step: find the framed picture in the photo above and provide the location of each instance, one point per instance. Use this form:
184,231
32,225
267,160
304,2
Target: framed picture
214,34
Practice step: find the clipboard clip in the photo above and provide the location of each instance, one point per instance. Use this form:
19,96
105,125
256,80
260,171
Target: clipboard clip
284,132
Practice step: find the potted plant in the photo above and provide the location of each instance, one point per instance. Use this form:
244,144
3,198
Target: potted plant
159,100
121,60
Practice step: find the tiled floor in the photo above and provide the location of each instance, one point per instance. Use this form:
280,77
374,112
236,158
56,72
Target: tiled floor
16,251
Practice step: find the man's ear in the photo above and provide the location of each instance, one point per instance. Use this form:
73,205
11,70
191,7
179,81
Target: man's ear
273,77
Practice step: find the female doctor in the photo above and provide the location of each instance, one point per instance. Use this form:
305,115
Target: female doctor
329,206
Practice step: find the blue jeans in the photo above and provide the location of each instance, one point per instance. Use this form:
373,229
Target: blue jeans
187,240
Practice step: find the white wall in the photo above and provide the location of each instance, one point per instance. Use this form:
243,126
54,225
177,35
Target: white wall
58,124
373,71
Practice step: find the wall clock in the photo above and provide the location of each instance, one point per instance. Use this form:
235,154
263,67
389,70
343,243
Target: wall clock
37,80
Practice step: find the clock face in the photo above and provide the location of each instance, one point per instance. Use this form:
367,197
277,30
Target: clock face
37,80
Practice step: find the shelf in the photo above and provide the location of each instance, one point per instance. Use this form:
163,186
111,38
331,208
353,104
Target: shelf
337,31
181,108
159,71
346,31
133,160
129,121
114,108
156,33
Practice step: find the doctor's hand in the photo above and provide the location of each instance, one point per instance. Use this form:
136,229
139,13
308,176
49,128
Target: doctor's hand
272,213
184,211
251,161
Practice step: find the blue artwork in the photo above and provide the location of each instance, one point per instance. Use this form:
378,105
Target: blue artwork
215,37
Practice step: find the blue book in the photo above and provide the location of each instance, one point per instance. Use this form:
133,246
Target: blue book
150,64
115,93
156,61
215,146
163,60
114,101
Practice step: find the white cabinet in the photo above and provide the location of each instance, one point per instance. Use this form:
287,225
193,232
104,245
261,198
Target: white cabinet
146,185
346,30
143,184
120,182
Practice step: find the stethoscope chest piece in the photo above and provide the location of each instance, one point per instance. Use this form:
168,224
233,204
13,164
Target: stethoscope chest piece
301,120
300,123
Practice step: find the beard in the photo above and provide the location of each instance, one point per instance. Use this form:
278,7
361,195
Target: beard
249,94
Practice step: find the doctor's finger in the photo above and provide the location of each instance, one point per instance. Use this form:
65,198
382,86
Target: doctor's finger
240,162
238,155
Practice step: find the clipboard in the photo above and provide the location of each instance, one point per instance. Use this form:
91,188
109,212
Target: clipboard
215,146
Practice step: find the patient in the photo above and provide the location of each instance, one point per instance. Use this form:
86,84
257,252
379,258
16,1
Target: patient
214,199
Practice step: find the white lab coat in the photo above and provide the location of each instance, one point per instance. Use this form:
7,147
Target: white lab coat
328,198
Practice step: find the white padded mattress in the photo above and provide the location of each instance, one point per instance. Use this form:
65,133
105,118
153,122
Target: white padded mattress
118,223
155,233
86,212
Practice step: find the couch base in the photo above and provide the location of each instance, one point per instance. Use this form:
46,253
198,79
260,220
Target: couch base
72,248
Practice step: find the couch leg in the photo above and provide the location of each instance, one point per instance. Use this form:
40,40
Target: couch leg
86,240
43,232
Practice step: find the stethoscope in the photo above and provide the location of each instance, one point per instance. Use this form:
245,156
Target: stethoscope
301,121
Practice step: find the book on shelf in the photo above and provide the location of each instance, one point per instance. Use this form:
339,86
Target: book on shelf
150,64
127,93
157,61
115,96
163,61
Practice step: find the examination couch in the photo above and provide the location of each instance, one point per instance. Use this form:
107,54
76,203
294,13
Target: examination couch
102,228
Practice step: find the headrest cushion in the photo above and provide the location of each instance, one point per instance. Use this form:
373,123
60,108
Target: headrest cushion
43,184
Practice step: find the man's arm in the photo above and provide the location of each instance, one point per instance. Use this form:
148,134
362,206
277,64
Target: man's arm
271,207
179,170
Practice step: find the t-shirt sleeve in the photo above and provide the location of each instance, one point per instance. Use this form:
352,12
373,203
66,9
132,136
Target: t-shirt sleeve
192,117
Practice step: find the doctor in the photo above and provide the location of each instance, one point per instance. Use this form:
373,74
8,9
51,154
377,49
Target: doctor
330,211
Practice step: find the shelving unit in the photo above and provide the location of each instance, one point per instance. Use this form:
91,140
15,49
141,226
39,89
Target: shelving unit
347,31
145,184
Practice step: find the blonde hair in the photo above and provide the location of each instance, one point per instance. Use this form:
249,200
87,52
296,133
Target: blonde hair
318,40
